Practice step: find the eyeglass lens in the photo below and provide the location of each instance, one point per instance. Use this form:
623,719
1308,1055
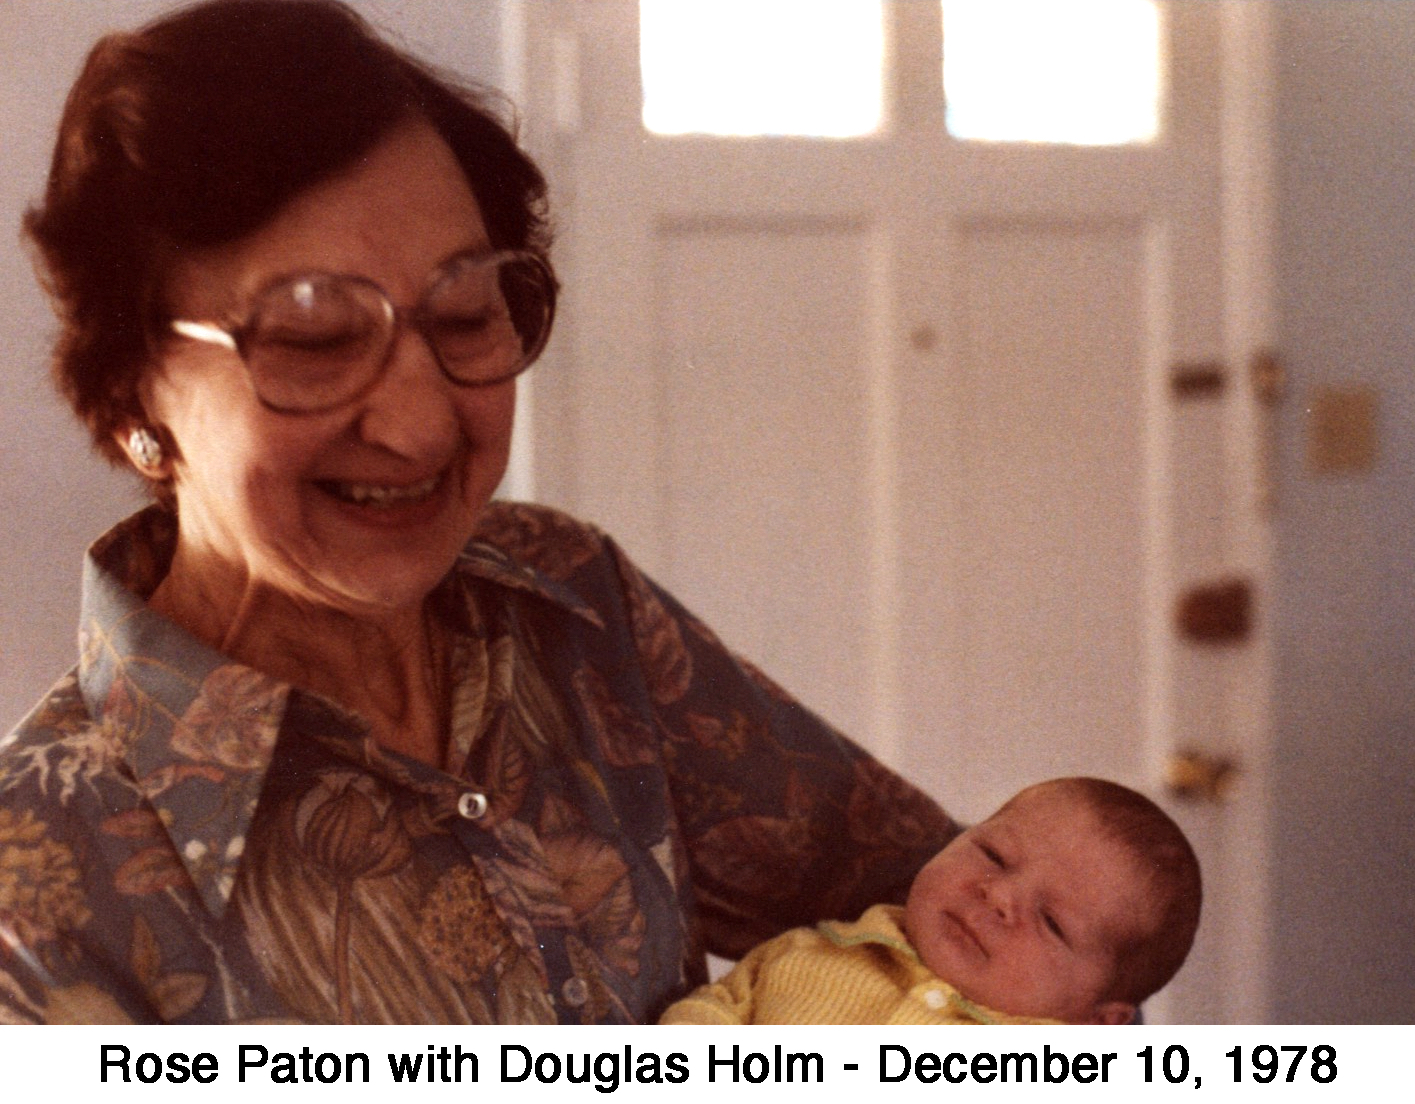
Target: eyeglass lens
319,340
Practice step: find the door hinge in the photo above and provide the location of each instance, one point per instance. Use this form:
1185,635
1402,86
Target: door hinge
1216,613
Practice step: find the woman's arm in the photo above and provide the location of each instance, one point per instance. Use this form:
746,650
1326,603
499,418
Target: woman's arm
785,820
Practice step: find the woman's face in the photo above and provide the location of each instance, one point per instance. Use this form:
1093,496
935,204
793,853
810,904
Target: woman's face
363,508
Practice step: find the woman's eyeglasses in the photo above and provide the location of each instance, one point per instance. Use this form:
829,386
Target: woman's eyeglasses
318,340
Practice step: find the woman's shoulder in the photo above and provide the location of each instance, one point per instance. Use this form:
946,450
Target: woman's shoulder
570,556
540,536
59,713
54,740
60,772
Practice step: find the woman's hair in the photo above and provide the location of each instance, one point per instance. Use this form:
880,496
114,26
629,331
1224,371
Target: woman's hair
195,131
1151,952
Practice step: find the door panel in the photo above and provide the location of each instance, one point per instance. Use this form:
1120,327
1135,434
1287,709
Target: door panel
898,417
1049,442
763,363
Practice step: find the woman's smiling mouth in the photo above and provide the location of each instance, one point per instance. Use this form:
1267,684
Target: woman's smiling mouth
376,494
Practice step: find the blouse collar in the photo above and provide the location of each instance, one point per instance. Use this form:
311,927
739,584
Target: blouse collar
197,729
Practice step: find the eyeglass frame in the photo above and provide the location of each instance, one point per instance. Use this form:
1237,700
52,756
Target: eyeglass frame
234,337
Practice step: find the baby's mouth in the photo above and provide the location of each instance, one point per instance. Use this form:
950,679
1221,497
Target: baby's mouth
963,929
379,495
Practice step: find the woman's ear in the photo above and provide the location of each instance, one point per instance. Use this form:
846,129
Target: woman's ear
144,448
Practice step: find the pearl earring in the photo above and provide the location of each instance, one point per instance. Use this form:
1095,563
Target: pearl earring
145,449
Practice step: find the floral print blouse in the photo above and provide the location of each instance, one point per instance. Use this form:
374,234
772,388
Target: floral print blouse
185,839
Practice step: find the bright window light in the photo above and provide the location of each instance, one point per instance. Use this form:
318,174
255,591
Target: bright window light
1083,72
762,67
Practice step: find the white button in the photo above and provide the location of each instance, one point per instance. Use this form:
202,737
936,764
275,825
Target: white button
935,999
575,991
472,806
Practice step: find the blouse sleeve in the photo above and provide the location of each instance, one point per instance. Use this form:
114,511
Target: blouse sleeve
784,820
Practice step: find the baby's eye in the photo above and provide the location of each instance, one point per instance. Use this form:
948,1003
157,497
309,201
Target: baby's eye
1053,926
990,854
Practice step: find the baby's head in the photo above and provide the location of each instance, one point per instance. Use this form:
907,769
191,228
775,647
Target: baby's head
1075,901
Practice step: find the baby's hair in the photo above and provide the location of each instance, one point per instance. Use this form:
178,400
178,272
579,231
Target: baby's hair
1149,954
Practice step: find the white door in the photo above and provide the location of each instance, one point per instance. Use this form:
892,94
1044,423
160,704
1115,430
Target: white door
940,432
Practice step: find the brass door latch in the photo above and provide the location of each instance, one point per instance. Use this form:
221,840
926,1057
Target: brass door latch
1193,776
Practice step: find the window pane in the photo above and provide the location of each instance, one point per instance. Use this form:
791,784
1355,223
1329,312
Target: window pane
757,67
1085,72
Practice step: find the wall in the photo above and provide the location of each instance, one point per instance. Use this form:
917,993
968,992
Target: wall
1345,878
55,497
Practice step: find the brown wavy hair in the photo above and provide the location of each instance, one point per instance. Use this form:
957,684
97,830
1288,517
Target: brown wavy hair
1148,955
194,131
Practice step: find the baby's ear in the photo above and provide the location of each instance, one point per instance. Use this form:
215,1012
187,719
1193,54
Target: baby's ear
1113,1013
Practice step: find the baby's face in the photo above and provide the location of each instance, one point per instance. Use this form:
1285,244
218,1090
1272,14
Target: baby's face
1021,912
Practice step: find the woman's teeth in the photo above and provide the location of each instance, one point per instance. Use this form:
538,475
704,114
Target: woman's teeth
369,494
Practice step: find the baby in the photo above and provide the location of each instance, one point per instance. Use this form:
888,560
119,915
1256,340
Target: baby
1072,903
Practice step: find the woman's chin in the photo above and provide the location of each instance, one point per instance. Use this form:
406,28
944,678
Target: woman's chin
385,557
383,585
369,583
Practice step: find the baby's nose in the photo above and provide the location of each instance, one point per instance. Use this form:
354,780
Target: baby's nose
1001,898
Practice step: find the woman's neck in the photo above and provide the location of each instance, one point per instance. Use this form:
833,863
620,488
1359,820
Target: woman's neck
388,668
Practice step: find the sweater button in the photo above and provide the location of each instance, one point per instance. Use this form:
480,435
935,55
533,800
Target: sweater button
935,999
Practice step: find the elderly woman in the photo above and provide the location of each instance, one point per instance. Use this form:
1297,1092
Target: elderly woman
346,740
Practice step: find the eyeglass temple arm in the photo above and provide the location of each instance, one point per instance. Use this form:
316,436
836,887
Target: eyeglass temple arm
204,331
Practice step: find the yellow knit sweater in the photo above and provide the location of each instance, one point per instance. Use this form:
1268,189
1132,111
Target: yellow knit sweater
835,973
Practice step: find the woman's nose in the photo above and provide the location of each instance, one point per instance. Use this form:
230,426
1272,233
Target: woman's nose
411,410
